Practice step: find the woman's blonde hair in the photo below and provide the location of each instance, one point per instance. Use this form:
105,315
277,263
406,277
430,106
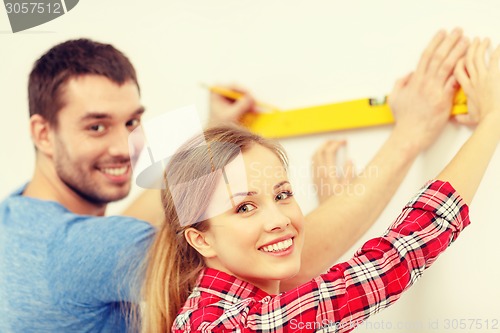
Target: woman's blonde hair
172,266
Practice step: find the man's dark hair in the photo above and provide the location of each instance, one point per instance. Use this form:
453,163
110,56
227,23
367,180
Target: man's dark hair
71,59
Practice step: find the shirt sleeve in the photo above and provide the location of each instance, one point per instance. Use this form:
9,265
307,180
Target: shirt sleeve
374,278
385,267
97,258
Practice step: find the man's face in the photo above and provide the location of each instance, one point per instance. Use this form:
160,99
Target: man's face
91,152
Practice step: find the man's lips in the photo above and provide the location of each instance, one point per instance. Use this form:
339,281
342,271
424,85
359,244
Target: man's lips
116,173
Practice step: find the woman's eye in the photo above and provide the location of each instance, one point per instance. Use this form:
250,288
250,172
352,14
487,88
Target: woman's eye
245,208
97,128
283,195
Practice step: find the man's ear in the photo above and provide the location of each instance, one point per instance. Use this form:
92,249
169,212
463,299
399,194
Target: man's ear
41,134
200,242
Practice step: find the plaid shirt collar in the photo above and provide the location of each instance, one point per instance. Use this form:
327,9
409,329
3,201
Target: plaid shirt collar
228,287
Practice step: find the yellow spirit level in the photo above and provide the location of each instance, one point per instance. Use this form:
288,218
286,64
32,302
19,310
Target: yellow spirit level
330,117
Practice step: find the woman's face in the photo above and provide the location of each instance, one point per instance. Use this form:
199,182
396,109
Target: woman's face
260,239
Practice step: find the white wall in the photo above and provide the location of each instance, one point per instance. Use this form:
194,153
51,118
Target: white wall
291,54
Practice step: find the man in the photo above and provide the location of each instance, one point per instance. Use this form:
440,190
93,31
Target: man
64,266
60,259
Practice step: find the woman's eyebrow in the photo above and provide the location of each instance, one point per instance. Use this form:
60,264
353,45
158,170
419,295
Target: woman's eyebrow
243,194
281,184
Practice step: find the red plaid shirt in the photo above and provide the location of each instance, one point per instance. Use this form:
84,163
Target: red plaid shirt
348,293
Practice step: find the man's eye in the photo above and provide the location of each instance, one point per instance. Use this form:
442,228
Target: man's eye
97,128
133,123
245,208
283,195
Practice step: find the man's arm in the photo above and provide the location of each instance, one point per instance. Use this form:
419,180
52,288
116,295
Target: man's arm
147,207
421,103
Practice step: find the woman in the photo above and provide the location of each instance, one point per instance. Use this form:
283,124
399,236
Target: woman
234,230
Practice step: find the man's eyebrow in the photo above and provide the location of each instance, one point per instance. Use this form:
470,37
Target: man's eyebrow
140,111
96,115
104,115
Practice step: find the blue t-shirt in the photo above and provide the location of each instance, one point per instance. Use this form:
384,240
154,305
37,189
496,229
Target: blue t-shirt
63,272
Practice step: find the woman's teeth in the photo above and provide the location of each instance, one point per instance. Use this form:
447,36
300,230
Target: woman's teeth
281,246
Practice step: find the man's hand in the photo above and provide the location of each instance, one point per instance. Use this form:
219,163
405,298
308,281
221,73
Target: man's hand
225,110
329,178
421,101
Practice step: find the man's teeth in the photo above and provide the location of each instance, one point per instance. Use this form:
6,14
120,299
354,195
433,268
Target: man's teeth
281,246
115,171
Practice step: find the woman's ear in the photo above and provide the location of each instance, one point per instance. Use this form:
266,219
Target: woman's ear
200,242
41,134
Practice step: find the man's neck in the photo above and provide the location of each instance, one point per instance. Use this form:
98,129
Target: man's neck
46,185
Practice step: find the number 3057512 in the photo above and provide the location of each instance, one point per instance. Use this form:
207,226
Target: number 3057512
33,7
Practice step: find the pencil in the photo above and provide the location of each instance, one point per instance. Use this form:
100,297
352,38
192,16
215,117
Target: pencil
228,93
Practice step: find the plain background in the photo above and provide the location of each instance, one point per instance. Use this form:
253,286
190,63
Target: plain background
291,54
